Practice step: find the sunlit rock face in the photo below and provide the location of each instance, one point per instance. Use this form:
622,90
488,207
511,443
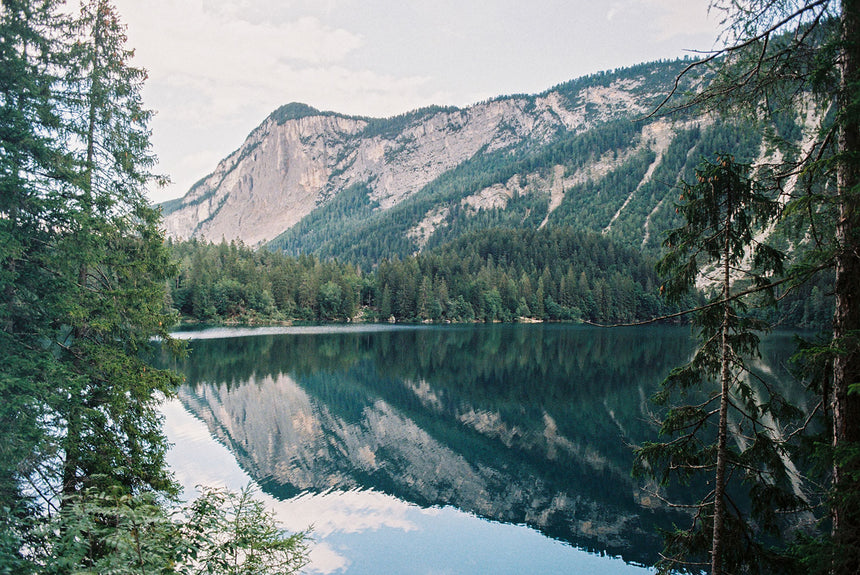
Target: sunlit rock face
268,184
295,162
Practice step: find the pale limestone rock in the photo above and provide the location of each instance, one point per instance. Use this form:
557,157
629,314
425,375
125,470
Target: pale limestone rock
284,171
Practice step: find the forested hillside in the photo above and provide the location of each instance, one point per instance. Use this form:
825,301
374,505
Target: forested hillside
514,188
584,154
498,274
452,249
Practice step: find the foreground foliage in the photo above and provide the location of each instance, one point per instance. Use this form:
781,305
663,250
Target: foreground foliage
223,532
83,267
803,57
750,491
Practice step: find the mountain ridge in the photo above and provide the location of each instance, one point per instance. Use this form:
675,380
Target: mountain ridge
363,189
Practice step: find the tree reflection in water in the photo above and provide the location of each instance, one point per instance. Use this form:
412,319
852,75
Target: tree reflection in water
521,424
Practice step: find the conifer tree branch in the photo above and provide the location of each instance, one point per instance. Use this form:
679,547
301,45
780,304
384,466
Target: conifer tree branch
716,303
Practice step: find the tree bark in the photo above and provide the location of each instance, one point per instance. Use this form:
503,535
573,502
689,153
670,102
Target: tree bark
846,324
722,433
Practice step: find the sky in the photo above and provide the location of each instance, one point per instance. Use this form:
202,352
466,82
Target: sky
218,68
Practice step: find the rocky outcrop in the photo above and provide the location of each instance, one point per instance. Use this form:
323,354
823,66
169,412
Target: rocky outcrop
268,184
292,164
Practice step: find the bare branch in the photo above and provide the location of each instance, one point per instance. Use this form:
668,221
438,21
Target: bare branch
806,275
762,35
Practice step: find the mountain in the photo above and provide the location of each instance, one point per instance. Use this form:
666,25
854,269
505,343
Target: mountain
583,154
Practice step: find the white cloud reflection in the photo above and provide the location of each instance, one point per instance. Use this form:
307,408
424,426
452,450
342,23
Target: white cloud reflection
197,459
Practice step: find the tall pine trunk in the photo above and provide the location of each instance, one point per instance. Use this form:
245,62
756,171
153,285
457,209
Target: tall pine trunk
846,324
722,426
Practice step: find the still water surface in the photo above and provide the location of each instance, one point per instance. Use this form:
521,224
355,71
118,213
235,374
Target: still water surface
465,449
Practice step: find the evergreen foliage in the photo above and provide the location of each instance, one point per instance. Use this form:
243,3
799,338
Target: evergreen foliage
630,208
83,271
293,111
499,274
722,212
781,58
232,282
223,532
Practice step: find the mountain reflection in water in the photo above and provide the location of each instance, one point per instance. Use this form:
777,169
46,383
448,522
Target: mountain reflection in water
520,424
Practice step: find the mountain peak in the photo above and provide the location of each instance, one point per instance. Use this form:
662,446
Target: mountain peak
295,111
362,188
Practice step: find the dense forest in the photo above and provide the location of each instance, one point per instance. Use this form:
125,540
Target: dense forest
500,274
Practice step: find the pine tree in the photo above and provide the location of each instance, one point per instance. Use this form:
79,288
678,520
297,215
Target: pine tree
781,57
83,277
722,212
83,270
30,292
116,252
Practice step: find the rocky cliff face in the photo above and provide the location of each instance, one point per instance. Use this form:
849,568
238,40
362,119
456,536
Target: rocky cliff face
268,184
294,162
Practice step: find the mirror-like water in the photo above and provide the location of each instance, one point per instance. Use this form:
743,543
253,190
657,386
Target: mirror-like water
464,449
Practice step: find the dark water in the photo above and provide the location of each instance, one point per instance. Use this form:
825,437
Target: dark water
502,449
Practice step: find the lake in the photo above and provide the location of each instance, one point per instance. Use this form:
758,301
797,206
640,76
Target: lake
437,449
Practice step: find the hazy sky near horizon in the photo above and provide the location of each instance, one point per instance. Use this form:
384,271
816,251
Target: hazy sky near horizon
217,68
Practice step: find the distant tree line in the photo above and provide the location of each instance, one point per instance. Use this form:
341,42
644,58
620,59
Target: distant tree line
501,274
497,275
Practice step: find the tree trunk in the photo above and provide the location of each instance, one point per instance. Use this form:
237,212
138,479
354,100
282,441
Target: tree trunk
846,324
722,433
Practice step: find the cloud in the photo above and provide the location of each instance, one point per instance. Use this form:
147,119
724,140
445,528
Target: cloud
217,69
224,63
183,36
665,19
673,18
